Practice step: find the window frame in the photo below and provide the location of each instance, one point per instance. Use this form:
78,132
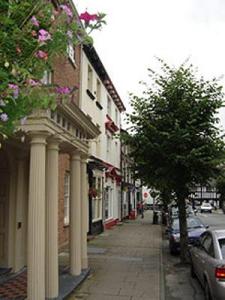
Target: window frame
66,203
208,248
71,52
109,106
89,78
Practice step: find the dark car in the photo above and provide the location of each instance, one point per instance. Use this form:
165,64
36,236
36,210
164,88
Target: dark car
195,228
173,213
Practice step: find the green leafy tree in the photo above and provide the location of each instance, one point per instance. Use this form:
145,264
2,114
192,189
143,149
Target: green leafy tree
220,186
32,34
174,136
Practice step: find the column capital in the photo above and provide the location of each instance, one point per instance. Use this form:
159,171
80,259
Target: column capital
38,137
75,155
53,143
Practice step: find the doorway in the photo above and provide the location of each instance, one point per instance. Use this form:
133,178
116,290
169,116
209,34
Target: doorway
4,195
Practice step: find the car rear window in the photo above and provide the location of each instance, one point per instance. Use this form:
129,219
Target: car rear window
191,223
222,247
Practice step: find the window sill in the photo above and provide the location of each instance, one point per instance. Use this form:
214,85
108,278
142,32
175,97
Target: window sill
96,220
73,63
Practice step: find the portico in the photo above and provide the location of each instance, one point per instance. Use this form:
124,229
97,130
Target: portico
29,196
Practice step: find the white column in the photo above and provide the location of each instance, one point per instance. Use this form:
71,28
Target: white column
20,239
51,267
84,213
75,215
36,219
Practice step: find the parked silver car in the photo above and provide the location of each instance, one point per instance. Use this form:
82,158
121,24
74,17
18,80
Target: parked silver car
206,207
208,263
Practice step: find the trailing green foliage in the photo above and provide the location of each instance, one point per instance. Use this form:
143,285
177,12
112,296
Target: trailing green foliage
32,34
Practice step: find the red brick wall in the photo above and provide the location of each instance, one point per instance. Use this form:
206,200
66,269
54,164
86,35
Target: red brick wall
63,231
65,73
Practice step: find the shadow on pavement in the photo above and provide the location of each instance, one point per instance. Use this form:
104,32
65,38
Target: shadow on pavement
179,285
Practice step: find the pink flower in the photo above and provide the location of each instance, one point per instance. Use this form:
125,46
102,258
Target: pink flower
15,89
63,90
4,117
41,54
44,35
67,10
13,86
33,82
34,21
86,17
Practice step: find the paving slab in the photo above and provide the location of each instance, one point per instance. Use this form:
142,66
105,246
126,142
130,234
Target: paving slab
179,285
125,263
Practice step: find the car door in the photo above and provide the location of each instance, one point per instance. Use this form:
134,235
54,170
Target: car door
197,253
207,259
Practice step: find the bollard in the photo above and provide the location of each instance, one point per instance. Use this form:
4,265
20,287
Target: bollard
155,217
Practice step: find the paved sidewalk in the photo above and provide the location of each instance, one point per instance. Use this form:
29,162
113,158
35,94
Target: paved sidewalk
125,263
179,285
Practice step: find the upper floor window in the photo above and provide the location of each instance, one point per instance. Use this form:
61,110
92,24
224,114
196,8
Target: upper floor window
71,52
116,116
98,91
66,198
90,78
108,144
47,77
109,104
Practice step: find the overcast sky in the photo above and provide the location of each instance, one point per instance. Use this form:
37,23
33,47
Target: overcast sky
173,30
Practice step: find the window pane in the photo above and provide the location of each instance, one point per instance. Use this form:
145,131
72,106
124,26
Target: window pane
222,247
90,78
66,198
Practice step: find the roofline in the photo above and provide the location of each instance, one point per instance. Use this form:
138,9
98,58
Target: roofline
97,64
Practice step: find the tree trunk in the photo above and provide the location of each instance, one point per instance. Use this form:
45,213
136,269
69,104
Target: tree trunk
183,229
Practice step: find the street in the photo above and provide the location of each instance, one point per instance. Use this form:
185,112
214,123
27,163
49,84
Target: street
179,285
215,220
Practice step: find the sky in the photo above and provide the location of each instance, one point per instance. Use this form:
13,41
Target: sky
174,30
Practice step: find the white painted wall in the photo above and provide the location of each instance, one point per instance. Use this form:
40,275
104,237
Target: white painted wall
98,147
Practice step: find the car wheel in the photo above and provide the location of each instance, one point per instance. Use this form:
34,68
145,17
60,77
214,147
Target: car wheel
210,211
207,291
172,250
193,275
201,211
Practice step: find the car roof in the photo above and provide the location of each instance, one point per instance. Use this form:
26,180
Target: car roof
219,233
191,218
